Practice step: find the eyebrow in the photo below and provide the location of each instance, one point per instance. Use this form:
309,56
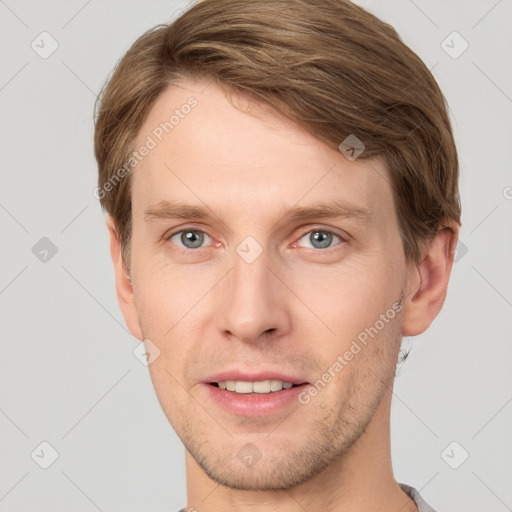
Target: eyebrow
338,209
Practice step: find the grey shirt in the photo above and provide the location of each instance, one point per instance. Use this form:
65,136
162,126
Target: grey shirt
422,505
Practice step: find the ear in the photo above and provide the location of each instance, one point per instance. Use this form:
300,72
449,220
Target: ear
124,289
428,281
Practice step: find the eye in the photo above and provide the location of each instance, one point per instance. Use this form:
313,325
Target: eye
189,238
320,238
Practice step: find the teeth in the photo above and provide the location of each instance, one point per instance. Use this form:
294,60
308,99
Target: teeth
261,387
243,387
264,386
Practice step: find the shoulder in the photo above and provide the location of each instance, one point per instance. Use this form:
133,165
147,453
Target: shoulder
423,506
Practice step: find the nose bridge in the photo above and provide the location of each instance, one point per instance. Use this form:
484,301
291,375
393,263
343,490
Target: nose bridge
252,301
250,279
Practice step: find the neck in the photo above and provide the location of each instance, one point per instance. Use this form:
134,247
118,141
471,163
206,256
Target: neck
361,479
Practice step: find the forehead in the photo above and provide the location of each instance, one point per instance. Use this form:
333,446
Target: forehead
219,151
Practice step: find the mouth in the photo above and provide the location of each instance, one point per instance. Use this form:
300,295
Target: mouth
255,398
261,387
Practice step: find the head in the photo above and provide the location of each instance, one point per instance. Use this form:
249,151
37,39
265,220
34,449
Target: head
281,183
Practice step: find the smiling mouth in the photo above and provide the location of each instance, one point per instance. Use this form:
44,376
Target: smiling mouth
255,399
254,388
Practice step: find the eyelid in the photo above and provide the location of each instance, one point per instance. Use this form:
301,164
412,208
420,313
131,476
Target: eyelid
185,227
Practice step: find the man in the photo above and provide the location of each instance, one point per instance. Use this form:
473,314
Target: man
281,184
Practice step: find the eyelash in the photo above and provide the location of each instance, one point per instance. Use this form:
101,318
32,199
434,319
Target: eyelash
326,231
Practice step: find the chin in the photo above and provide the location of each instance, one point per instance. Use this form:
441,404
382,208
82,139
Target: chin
271,468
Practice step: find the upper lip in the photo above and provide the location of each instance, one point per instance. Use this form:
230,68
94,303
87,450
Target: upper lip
237,375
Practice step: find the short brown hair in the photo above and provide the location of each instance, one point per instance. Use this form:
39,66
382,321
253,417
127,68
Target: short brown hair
328,65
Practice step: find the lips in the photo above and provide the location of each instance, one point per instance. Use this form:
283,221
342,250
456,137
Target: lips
256,394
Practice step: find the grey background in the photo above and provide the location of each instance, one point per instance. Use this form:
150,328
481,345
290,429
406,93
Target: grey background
68,374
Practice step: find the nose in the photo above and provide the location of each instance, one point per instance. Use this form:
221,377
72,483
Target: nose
254,303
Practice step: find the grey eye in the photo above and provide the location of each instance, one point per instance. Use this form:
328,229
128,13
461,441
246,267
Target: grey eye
320,239
189,238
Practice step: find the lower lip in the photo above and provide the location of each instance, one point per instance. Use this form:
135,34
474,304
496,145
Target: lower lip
249,405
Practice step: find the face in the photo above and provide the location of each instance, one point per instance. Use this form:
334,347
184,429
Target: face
259,254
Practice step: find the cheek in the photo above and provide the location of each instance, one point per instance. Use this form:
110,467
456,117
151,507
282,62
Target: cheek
171,395
174,306
166,293
350,297
358,353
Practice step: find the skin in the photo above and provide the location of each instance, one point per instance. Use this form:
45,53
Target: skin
295,309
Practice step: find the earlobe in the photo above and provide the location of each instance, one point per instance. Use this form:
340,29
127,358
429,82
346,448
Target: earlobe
124,289
428,282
